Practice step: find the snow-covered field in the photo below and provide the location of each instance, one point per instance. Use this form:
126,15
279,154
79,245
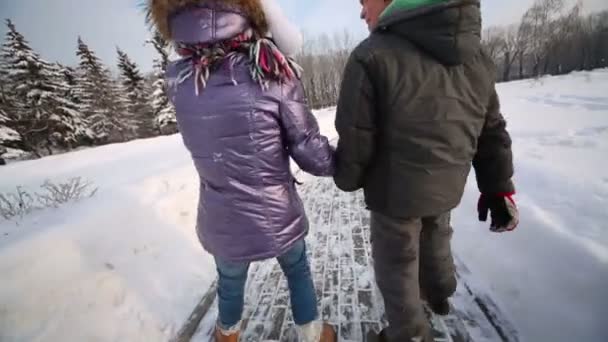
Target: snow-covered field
552,274
126,265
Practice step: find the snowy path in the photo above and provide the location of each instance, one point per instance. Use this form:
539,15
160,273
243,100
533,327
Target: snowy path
339,251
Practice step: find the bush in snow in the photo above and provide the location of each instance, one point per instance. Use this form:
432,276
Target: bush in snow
16,204
20,202
56,194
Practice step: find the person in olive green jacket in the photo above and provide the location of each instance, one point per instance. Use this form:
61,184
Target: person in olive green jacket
417,108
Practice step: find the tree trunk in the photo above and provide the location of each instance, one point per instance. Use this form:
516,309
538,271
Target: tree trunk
583,61
521,66
31,147
48,146
507,68
536,68
546,66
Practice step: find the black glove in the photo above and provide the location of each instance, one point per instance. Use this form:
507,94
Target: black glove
503,211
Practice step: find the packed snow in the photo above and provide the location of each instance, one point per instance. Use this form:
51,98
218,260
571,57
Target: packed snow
126,265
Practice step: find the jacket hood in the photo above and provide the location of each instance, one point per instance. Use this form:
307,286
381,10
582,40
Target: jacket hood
161,14
448,30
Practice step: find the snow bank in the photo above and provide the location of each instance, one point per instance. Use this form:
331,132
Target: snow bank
125,265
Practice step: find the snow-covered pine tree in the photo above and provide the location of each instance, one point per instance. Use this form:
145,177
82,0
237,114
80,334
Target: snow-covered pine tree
100,98
7,135
9,138
133,86
69,107
19,69
69,77
164,113
39,112
4,90
3,81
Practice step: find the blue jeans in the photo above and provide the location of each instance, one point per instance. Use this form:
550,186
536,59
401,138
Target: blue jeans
294,263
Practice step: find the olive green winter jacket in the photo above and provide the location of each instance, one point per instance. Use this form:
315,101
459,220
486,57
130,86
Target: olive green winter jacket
417,108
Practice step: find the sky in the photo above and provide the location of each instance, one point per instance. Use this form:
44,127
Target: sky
53,26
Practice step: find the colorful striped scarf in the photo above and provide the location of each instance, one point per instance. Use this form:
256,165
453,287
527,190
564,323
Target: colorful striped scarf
267,62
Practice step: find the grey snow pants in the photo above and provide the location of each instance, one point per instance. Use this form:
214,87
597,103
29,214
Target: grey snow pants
412,256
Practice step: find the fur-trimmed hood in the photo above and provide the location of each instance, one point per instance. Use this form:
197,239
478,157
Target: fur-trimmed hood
159,12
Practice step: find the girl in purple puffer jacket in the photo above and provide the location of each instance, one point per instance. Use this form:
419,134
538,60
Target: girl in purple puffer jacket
242,113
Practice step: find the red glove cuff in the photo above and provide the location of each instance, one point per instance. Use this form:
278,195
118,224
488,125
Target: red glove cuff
508,195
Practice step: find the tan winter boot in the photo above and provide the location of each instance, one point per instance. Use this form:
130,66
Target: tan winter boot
317,332
226,336
328,334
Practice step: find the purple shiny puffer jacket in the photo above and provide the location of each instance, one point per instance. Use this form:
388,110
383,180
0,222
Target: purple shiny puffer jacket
241,137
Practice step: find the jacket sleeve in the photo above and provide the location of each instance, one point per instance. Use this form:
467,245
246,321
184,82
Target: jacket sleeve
286,35
356,126
310,150
493,161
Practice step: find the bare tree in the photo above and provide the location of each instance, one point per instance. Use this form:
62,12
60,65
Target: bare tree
510,50
523,47
550,39
323,58
492,40
538,28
